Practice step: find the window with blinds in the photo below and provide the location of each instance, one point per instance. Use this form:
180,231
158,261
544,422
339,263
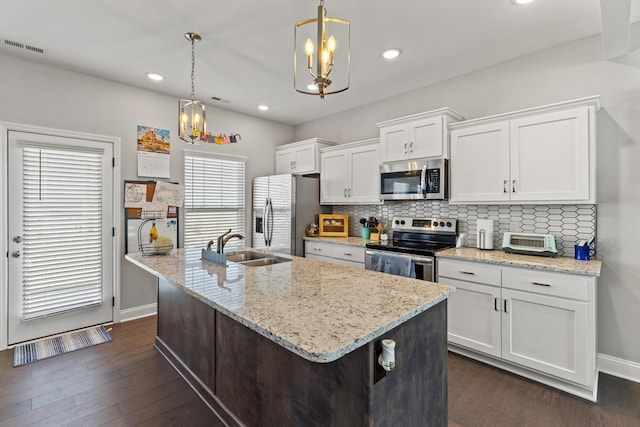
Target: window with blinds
214,199
62,231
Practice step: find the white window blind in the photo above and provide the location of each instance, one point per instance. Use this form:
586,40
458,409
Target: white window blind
62,231
214,199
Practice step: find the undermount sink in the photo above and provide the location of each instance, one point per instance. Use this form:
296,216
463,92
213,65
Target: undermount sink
264,261
254,259
244,256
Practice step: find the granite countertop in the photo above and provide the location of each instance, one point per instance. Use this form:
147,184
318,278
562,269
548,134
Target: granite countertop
347,241
558,264
317,310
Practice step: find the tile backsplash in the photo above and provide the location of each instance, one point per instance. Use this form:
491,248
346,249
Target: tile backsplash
569,223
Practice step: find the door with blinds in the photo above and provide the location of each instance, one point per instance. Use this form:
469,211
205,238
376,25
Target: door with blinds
60,226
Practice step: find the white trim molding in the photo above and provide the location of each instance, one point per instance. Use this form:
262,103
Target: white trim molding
139,312
619,367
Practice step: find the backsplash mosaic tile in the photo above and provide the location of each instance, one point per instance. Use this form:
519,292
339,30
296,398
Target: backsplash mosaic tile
569,223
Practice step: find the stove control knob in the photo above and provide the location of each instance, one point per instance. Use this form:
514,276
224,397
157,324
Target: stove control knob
435,223
449,224
402,222
441,223
397,222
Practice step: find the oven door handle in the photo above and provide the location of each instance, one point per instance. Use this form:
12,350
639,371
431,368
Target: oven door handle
422,260
423,181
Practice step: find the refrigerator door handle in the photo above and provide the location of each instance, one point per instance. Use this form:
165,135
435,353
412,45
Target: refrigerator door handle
265,223
270,221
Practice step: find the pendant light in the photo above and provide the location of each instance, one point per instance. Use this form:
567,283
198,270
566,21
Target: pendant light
321,55
192,123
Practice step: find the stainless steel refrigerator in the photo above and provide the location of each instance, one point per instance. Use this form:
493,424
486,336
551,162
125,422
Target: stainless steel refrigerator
283,205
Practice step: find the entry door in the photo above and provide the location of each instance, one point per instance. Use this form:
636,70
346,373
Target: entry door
60,225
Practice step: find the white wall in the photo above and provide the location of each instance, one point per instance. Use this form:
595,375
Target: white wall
40,95
566,72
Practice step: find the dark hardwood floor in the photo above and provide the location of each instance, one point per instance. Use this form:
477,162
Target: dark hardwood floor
127,383
121,383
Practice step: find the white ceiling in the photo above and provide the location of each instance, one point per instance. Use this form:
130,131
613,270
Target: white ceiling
246,55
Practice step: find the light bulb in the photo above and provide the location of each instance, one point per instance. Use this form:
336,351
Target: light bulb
331,44
325,56
308,47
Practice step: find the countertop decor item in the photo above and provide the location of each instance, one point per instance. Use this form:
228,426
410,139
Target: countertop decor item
313,230
321,48
336,225
192,122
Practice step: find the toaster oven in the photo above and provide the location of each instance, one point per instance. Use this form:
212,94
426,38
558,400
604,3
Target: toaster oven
530,244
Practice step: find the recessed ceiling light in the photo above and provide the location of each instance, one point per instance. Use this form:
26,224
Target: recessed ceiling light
519,2
154,76
263,107
391,53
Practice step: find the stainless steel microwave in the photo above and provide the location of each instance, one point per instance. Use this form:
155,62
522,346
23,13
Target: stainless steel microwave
414,180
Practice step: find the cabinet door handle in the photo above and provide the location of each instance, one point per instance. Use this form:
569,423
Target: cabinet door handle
495,304
505,306
513,186
411,147
405,148
541,284
349,192
504,186
467,272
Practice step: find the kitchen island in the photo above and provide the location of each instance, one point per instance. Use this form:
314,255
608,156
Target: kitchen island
297,343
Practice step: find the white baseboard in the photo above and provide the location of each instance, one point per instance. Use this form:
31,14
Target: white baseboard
619,367
138,312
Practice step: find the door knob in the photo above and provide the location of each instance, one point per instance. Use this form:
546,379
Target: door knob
15,254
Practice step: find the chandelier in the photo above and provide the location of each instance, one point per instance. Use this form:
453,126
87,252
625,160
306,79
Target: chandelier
192,123
321,67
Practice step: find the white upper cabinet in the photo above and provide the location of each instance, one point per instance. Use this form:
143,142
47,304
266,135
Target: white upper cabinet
350,173
416,136
301,157
540,155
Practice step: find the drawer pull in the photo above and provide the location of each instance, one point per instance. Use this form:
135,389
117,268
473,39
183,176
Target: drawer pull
541,284
317,249
467,272
348,254
495,304
505,306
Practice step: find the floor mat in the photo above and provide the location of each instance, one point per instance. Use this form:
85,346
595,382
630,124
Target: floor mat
54,346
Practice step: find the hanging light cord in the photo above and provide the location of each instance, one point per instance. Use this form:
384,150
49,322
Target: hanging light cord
193,70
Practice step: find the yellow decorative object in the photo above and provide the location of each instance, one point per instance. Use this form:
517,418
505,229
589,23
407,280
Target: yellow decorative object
153,233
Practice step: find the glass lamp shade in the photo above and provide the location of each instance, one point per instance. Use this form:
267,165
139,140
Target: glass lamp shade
322,58
192,125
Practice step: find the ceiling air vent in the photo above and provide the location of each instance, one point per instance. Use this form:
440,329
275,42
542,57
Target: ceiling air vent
20,45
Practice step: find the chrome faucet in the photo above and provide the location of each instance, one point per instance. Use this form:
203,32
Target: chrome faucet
223,239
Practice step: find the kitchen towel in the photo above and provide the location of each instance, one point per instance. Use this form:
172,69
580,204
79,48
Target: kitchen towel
399,265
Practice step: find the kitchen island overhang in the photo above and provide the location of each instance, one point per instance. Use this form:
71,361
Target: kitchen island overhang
324,320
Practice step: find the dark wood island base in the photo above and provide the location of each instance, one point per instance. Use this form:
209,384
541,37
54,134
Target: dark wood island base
249,380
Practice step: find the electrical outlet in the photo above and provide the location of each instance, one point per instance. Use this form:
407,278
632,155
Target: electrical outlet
514,226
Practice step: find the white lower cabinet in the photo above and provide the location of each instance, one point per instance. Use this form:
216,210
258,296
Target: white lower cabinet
349,256
539,324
